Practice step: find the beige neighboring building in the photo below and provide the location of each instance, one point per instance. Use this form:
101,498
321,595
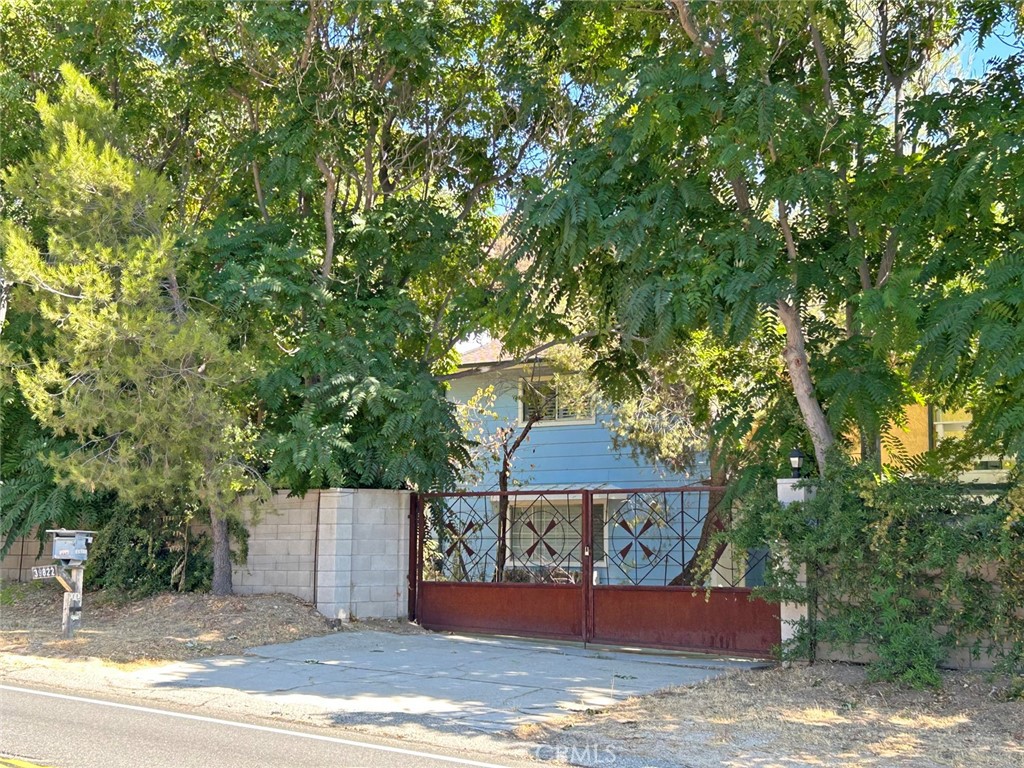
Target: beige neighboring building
926,427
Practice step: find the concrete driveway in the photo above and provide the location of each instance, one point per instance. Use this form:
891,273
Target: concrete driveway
445,682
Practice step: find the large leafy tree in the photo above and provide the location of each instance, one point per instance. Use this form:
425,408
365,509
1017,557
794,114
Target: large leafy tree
136,379
112,44
335,168
972,347
748,158
351,243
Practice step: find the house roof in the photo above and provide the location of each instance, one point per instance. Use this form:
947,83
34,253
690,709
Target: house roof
491,352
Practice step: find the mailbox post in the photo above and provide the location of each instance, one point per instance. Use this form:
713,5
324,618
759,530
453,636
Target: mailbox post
70,550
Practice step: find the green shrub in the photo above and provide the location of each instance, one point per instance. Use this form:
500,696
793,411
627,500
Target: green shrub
140,554
903,569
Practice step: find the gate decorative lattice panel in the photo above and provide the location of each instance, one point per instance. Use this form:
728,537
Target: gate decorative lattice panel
654,538
529,538
619,566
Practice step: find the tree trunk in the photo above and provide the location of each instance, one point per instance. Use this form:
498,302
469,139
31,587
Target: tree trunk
329,195
508,453
714,522
221,555
795,356
501,556
4,293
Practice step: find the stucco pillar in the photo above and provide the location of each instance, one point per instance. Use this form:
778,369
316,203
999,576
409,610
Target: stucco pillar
791,613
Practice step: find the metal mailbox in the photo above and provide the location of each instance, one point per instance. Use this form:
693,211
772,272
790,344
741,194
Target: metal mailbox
71,546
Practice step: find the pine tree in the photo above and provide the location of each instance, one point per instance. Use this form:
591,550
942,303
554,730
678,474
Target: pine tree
139,381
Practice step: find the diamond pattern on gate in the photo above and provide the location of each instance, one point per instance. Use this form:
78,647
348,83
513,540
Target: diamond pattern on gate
542,538
645,537
652,536
459,539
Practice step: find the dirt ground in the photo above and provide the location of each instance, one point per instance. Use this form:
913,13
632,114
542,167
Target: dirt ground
825,715
168,627
821,715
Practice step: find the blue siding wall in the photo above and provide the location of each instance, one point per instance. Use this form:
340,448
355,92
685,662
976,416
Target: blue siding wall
580,455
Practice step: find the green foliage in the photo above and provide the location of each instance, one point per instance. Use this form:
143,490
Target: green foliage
137,384
246,236
129,376
708,399
347,391
138,554
737,163
903,569
14,592
972,348
333,169
379,138
30,498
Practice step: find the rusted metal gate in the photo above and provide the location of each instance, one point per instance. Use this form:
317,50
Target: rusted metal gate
604,566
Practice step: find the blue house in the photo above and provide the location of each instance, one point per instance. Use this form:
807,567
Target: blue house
642,539
588,542
563,449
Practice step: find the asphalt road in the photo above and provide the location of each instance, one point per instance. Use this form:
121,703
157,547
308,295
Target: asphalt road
53,729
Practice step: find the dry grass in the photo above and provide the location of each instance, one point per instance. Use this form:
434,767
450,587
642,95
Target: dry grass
161,628
826,715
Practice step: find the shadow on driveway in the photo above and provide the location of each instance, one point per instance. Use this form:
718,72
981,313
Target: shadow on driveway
443,682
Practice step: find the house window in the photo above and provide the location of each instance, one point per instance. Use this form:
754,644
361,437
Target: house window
546,533
954,424
540,399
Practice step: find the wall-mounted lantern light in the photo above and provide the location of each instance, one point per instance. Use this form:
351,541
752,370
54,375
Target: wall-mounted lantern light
796,462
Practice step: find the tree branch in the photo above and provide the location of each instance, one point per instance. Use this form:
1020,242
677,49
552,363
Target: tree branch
690,28
176,300
888,259
255,125
259,192
172,146
896,81
826,77
368,186
307,45
329,194
50,289
5,293
787,231
795,357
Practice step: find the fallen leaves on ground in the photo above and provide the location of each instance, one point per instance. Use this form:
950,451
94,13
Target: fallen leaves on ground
166,627
826,714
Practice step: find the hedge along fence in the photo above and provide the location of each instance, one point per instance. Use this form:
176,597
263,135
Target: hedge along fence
905,573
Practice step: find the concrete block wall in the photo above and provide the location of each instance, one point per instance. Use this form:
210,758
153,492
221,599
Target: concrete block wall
281,547
345,550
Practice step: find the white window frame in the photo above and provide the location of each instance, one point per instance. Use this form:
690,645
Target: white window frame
959,426
569,421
